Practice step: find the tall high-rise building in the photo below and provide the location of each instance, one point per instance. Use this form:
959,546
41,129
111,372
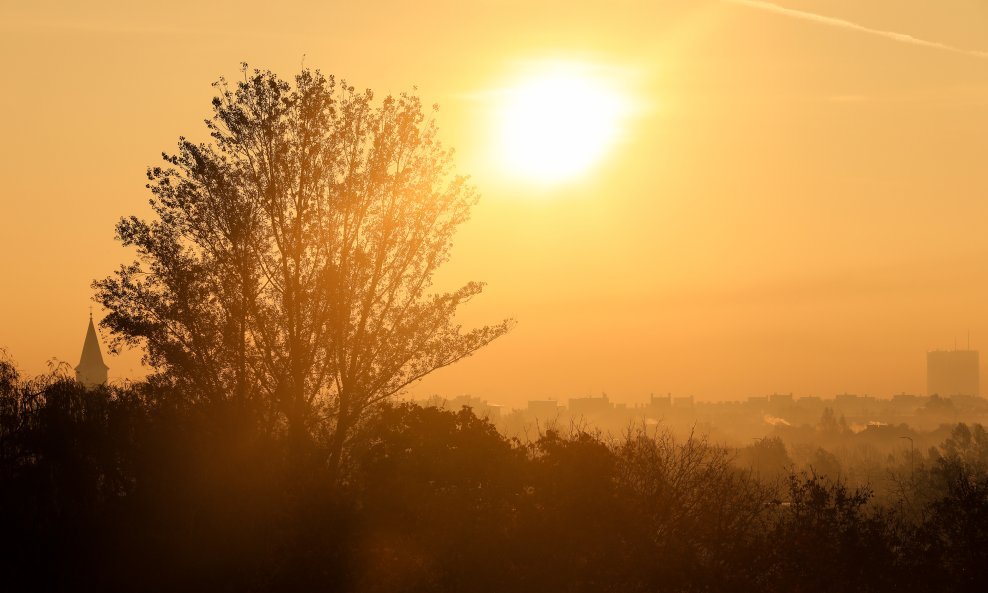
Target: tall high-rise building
92,371
952,372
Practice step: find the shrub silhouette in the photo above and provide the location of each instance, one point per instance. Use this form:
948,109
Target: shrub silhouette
146,487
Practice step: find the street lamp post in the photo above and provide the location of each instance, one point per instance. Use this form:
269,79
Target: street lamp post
911,457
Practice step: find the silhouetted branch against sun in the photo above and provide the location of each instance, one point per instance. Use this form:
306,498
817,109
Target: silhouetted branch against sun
289,261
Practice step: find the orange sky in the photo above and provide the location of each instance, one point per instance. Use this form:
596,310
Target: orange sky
795,205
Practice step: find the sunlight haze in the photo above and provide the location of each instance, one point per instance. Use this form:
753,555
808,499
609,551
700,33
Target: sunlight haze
709,198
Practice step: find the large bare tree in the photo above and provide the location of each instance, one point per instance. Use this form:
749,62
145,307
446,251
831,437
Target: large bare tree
289,261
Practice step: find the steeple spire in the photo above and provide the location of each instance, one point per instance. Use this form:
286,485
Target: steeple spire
92,371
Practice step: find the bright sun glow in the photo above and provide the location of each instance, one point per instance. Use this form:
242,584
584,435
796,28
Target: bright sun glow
556,124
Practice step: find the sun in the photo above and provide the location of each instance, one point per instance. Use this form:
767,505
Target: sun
556,124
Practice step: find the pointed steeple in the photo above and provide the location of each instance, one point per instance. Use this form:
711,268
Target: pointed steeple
92,371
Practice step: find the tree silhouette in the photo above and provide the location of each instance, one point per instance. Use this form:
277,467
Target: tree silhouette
827,538
289,261
129,487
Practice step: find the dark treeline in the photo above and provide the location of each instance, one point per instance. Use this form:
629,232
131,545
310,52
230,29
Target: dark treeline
138,488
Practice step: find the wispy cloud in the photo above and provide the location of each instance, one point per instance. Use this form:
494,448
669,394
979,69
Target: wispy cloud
852,26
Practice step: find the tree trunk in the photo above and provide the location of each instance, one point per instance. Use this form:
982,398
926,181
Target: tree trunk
335,456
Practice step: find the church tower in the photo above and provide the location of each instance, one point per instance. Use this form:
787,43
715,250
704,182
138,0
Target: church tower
91,371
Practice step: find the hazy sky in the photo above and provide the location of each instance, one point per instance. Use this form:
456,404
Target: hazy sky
798,200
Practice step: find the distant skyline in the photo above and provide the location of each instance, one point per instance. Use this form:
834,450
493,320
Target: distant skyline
786,204
943,368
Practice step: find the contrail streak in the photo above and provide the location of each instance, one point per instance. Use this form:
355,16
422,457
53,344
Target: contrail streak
852,26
